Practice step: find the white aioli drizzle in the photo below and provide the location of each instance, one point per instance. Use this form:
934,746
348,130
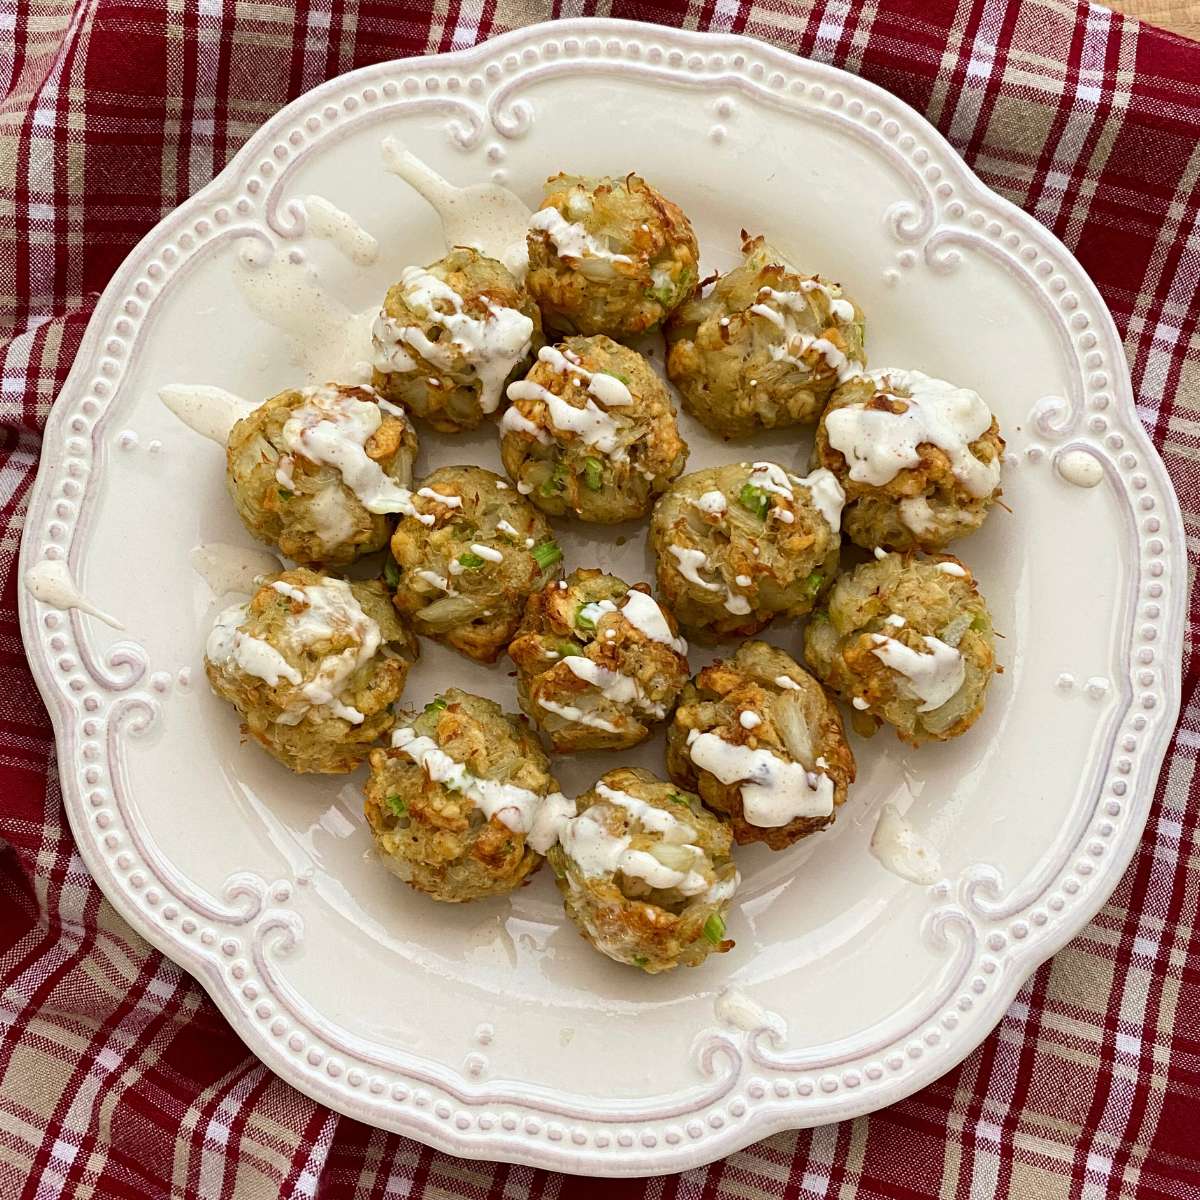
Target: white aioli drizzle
917,514
333,429
690,561
827,495
822,485
787,683
795,343
712,503
878,444
644,614
50,581
934,677
571,240
428,493
733,1007
598,852
1079,467
486,217
591,422
774,792
325,220
491,346
570,712
330,608
211,411
613,685
952,568
517,807
227,568
250,654
327,340
902,850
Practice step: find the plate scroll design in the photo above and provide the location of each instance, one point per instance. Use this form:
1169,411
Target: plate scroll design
991,932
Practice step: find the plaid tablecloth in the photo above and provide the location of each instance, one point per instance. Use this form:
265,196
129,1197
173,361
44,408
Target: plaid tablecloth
118,1078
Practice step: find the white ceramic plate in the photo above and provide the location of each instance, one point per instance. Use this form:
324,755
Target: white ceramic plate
492,1030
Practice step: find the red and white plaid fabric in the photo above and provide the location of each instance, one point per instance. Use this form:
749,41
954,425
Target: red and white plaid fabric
118,1078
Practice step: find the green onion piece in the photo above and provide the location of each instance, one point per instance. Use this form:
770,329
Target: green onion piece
813,582
582,618
616,375
676,798
555,482
754,500
979,624
547,553
397,806
435,705
640,960
714,928
664,293
593,473
284,494
391,572
470,561
568,649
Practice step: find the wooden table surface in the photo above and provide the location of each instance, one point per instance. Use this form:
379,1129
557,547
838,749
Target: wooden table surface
1180,16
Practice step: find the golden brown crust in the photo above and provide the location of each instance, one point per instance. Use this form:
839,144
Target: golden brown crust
450,592
874,515
449,397
621,299
556,626
436,838
724,358
319,741
840,643
293,518
713,703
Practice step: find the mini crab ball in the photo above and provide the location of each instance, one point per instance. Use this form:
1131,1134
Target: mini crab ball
908,641
317,471
591,431
468,557
739,545
598,662
451,335
918,458
764,347
645,872
456,804
761,742
313,665
609,256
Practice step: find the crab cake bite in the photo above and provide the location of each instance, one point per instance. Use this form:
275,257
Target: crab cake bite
908,641
918,458
467,560
742,544
764,347
313,665
761,742
451,335
598,662
609,256
591,432
645,872
317,471
456,805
